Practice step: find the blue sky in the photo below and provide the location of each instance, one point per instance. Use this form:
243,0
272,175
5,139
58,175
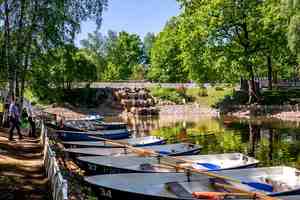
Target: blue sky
134,16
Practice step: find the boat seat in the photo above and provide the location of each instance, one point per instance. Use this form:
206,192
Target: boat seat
178,190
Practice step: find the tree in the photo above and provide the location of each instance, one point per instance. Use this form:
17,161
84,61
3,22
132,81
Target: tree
166,64
232,35
95,48
149,40
59,70
291,10
124,52
32,27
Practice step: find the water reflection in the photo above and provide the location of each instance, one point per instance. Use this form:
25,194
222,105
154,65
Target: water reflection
271,141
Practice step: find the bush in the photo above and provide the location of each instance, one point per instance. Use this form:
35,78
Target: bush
202,92
218,88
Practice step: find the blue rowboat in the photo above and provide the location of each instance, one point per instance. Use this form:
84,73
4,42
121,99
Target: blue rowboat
170,149
135,164
93,135
136,142
175,186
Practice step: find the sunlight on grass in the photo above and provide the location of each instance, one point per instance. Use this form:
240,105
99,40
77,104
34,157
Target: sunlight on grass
214,94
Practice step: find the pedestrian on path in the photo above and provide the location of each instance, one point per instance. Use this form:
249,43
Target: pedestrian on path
31,121
14,118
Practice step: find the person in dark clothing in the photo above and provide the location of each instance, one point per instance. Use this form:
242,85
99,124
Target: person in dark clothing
31,121
14,118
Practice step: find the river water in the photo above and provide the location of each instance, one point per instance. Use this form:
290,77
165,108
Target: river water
272,142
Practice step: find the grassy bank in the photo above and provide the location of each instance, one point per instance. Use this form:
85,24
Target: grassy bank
203,96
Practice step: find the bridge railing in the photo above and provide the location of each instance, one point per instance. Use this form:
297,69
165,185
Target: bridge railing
137,84
58,185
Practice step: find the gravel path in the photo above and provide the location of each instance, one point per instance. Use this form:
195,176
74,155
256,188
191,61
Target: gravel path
21,170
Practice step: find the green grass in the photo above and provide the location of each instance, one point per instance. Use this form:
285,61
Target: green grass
168,94
205,97
215,94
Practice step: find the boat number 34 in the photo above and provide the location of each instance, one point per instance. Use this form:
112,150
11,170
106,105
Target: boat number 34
105,193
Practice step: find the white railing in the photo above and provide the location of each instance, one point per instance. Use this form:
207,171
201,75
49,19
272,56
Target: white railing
58,185
137,84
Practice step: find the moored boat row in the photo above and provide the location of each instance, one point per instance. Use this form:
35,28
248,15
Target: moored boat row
121,170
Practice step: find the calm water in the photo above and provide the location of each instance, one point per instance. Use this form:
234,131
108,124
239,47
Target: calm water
273,142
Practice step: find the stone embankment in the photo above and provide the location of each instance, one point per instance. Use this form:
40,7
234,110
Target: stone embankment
188,109
282,112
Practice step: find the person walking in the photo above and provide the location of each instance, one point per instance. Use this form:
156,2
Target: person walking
14,118
31,121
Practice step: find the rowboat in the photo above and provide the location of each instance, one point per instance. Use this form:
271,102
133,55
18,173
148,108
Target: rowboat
170,186
110,125
93,125
170,149
93,117
93,135
135,164
136,142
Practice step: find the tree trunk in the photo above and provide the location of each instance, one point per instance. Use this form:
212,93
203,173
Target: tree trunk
10,69
20,49
253,90
271,144
270,71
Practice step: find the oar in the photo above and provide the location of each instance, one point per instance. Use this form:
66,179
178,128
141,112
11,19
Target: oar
237,190
218,195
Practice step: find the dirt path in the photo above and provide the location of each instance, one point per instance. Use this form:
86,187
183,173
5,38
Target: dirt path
21,172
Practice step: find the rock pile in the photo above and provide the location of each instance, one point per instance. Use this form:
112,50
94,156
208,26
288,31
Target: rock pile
136,101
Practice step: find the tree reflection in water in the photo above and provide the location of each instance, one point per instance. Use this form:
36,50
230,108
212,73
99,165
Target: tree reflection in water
273,142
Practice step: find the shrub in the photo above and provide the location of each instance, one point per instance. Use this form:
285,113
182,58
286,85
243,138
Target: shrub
202,92
219,88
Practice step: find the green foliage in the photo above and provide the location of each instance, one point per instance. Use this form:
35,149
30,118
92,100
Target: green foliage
293,34
218,88
149,40
166,64
59,70
116,55
138,72
168,94
111,72
32,27
206,97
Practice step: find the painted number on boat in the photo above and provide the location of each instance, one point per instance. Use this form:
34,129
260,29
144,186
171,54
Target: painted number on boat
105,193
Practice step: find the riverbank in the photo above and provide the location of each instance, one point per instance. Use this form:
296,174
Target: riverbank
281,112
21,170
285,113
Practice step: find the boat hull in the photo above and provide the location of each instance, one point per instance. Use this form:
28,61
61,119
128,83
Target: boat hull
153,186
108,165
103,144
179,149
94,169
85,136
